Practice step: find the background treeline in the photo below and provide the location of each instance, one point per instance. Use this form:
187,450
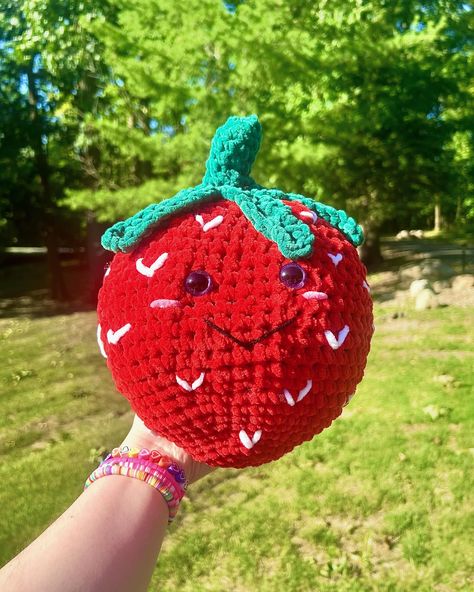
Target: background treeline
108,105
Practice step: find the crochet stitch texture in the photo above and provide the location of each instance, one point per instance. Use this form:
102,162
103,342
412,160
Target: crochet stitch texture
213,345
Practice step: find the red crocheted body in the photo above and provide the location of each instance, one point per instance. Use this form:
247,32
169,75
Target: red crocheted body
242,374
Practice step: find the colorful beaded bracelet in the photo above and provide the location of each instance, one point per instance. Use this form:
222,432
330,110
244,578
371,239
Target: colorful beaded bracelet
153,456
170,483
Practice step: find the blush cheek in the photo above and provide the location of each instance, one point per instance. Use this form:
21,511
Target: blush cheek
314,295
164,303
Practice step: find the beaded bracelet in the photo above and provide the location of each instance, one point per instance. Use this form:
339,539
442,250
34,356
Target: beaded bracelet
155,457
152,467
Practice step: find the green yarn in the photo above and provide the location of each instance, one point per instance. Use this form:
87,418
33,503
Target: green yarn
233,152
124,236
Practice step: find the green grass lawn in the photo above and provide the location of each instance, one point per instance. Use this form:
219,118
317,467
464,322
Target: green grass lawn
381,501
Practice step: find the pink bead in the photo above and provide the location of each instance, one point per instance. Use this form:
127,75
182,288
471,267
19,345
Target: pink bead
155,456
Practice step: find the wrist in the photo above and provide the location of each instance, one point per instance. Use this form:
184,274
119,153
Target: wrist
140,437
151,466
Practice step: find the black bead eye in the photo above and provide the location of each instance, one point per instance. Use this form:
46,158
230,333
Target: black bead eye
293,275
198,283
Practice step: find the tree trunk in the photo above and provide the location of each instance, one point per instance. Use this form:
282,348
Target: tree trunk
97,257
458,217
437,214
56,280
370,252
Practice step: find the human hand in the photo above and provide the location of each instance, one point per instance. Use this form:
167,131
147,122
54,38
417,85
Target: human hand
140,436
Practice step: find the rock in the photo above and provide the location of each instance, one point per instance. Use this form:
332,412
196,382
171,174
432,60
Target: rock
441,285
412,272
444,379
435,269
426,299
435,412
417,286
417,233
402,235
401,296
429,269
463,282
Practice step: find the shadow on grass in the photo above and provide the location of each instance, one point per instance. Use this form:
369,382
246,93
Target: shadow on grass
24,290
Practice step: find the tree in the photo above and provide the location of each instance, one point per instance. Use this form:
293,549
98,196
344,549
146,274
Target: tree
352,96
49,63
363,102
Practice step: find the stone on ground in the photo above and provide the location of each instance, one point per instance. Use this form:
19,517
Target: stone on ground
417,286
402,235
426,299
430,269
463,282
435,269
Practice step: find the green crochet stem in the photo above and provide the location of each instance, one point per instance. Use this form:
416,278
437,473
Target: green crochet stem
233,152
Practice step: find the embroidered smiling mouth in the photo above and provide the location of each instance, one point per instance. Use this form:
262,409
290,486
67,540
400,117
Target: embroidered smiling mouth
251,342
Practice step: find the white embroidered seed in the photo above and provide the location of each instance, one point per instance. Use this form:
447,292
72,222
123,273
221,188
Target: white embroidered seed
114,337
149,271
246,441
211,224
336,259
301,395
312,295
190,387
100,342
107,271
348,399
312,215
341,337
163,303
366,286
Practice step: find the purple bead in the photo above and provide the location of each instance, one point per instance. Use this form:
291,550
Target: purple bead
198,283
293,276
173,469
177,473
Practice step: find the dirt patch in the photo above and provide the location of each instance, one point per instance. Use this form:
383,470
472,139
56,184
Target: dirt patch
451,297
363,545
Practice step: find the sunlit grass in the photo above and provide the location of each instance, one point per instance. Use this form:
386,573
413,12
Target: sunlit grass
380,501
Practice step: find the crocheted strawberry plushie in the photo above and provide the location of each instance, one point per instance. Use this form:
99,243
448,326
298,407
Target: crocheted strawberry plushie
236,319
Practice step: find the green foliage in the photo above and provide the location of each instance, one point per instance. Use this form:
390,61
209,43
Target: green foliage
367,106
234,148
361,103
50,65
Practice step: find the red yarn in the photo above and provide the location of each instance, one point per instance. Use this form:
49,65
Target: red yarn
245,388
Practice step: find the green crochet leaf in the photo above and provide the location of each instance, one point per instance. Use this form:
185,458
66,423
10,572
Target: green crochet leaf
233,152
274,219
124,236
337,218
